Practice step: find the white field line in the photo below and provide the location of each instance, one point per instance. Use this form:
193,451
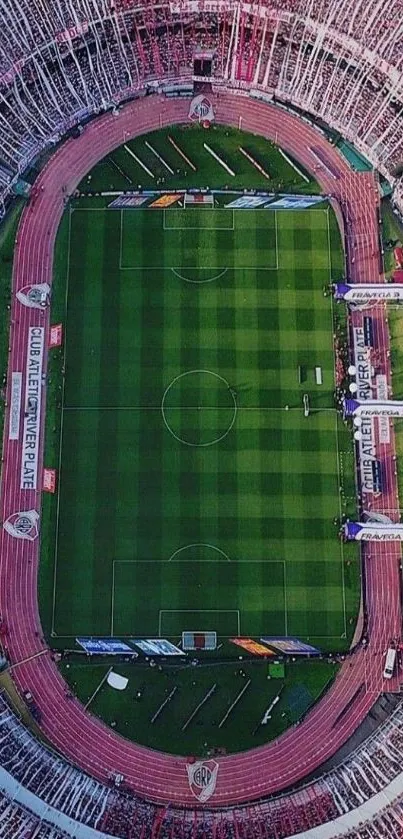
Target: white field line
61,433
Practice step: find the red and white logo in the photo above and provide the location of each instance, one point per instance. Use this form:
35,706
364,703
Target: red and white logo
49,480
23,525
34,296
201,109
202,778
56,335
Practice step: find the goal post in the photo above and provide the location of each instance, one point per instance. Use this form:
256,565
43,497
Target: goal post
198,199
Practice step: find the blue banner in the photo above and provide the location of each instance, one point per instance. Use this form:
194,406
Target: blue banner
105,646
157,646
295,202
290,646
248,202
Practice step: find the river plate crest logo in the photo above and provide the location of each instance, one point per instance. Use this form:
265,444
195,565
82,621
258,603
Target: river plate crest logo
34,296
23,525
202,778
201,109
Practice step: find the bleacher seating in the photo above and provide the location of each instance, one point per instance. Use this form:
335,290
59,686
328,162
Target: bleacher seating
108,809
59,67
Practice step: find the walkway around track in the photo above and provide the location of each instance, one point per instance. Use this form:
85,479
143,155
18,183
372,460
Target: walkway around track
82,738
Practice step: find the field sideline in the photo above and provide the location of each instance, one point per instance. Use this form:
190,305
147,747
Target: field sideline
148,498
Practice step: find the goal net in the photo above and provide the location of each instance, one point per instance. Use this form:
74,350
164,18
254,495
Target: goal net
199,641
198,200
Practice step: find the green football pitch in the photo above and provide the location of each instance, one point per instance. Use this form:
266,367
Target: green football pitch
193,493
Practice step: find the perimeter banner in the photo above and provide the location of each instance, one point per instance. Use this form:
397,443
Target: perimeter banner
295,202
49,480
56,335
105,646
157,646
290,646
373,532
366,443
166,200
373,408
252,646
368,293
32,415
15,406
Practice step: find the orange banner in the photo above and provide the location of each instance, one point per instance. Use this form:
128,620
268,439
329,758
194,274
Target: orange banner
166,200
252,646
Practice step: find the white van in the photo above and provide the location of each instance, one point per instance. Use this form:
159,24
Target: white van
389,664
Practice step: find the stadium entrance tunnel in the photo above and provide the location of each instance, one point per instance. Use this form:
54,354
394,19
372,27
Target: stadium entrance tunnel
199,408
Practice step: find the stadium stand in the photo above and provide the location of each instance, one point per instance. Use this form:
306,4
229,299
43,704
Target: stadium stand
72,797
63,64
69,63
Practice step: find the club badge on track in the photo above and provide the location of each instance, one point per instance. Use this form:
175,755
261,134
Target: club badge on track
202,777
201,109
34,296
23,525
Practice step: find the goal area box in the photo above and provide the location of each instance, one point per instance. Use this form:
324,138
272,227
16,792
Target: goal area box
199,641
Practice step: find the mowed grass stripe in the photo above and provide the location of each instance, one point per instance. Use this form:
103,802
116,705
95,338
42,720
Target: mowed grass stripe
255,495
107,436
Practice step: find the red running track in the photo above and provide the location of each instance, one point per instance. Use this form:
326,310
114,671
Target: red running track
83,739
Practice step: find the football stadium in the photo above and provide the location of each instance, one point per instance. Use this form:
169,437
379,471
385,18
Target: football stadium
201,246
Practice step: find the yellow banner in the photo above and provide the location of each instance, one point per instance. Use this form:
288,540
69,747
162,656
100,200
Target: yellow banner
165,200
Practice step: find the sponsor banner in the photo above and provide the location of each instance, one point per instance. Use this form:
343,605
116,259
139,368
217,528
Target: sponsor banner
373,408
15,406
32,415
202,777
377,476
367,454
383,422
201,109
369,293
248,202
56,335
368,331
295,202
34,296
105,646
23,525
157,646
373,532
290,646
366,444
128,201
251,646
166,200
49,480
362,361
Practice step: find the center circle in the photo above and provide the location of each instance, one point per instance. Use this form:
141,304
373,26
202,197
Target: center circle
199,408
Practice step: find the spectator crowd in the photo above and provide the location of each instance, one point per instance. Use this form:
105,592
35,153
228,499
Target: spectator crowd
334,58
109,809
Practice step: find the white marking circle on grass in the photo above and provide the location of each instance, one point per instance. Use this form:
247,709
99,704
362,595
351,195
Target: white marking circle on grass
181,439
199,545
199,282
